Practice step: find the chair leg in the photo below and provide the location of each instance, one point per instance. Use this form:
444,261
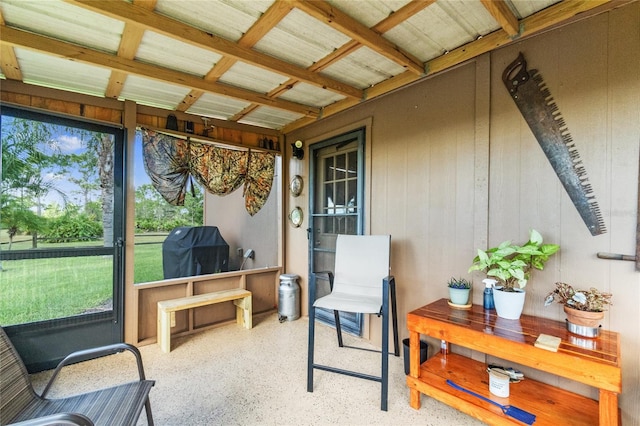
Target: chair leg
312,330
394,315
336,315
147,408
385,359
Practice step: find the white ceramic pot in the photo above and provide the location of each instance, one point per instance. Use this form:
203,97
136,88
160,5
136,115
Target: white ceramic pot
509,304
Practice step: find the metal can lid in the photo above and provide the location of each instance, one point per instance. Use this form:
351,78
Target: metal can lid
289,277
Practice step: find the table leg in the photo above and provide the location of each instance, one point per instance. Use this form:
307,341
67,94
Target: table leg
608,408
414,366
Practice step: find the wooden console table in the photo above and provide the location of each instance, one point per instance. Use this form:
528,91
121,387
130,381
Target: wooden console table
595,362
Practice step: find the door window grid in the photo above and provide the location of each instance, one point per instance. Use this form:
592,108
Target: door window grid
340,200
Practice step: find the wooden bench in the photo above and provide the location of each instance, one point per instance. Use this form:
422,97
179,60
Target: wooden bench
167,310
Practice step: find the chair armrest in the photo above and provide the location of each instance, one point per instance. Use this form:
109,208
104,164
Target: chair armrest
92,353
57,419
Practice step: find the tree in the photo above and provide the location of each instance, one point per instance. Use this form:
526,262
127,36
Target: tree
105,151
153,213
27,148
15,217
95,166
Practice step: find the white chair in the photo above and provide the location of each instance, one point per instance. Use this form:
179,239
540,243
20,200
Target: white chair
361,284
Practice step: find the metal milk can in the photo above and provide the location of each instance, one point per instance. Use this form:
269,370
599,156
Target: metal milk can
288,298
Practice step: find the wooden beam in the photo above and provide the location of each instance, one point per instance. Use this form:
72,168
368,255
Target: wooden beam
381,27
501,13
129,43
401,15
133,14
533,24
14,37
9,63
262,26
339,20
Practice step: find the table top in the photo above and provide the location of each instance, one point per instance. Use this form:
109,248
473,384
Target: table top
605,349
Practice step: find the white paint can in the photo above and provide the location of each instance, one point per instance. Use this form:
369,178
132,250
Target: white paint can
499,383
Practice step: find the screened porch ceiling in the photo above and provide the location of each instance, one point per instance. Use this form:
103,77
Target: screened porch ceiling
278,64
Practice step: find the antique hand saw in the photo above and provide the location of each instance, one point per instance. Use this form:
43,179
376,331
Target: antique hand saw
541,113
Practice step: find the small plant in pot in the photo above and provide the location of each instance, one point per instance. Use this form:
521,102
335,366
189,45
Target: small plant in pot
584,308
511,265
459,289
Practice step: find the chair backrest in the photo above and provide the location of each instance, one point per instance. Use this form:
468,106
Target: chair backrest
16,391
362,261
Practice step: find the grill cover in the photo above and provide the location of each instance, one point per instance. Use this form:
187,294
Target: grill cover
196,250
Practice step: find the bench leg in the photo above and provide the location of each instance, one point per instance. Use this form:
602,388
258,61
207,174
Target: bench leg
164,330
244,312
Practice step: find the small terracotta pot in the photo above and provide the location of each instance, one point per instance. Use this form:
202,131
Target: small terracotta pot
584,318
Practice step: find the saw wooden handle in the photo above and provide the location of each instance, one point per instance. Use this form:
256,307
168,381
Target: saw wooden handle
616,256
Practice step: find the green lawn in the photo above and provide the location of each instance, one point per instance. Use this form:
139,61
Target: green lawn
41,289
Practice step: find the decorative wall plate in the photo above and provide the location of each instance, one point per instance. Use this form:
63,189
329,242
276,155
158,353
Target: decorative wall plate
296,217
295,186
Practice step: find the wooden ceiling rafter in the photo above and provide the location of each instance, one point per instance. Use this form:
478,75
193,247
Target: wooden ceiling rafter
9,62
545,19
172,28
140,16
503,15
129,44
269,19
364,35
14,37
346,49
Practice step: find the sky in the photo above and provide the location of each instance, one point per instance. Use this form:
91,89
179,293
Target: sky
67,143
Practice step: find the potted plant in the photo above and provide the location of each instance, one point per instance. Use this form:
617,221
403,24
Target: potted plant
511,265
584,308
459,289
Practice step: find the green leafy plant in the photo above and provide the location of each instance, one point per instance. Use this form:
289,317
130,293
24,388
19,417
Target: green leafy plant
591,300
511,264
460,283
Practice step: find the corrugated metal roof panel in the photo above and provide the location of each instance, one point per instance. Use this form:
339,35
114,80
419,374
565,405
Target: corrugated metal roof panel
307,94
223,107
374,12
252,78
63,21
524,8
363,68
442,27
152,92
171,53
48,71
301,40
228,19
472,18
272,118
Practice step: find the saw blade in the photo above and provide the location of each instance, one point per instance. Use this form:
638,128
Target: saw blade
541,113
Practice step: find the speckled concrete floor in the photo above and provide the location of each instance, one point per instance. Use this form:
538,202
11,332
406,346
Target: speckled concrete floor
233,376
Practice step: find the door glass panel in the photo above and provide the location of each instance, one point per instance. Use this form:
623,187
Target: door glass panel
57,218
61,227
335,198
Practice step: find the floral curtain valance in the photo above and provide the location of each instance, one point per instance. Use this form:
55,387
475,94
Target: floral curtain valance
169,162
